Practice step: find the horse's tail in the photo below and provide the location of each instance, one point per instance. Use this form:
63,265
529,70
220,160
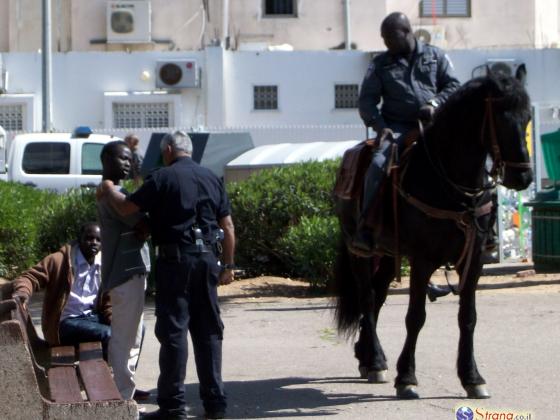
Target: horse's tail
347,289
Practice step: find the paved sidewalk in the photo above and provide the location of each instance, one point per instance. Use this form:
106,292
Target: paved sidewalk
284,359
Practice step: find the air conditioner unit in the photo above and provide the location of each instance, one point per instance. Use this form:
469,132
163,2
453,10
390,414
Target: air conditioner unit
431,34
129,22
506,66
179,73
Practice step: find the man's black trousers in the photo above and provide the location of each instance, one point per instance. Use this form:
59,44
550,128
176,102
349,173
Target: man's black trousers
187,300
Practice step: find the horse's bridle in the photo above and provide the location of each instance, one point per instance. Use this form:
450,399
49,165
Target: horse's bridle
467,220
498,164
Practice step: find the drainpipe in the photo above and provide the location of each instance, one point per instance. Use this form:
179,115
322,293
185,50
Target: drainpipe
225,25
47,67
347,33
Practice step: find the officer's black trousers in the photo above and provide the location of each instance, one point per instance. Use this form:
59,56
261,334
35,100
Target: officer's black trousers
187,300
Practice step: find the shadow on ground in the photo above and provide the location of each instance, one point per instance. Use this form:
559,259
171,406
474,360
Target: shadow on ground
289,397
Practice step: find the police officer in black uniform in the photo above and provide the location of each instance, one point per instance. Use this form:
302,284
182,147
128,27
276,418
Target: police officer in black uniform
412,79
190,215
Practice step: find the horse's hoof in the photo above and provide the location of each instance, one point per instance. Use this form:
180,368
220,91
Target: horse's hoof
377,376
477,391
407,392
373,376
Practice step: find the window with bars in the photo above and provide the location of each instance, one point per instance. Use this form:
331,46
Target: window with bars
141,114
11,116
265,97
445,8
346,96
280,8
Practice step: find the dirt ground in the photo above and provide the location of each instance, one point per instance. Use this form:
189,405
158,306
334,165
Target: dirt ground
514,278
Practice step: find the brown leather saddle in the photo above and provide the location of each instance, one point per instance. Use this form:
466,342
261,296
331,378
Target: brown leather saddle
351,174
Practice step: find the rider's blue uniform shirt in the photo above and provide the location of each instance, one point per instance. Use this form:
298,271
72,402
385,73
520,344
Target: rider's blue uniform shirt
405,86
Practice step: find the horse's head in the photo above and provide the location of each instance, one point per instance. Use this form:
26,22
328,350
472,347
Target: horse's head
504,131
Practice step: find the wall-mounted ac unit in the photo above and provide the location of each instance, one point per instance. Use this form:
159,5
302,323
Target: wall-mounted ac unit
129,21
431,34
175,74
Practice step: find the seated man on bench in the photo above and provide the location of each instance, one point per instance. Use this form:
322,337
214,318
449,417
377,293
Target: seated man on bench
74,311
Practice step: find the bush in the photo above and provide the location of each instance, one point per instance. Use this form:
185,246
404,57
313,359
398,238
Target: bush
21,209
269,203
63,216
310,248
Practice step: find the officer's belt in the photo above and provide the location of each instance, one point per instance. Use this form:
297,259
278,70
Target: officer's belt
175,251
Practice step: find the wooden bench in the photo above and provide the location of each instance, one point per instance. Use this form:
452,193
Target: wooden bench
38,382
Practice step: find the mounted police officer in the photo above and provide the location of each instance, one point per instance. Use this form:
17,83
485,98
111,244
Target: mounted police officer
190,218
412,79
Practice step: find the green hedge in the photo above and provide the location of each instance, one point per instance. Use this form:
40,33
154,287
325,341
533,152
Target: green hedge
21,219
34,223
284,222
309,248
63,216
268,209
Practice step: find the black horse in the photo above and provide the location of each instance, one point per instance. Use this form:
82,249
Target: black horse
443,216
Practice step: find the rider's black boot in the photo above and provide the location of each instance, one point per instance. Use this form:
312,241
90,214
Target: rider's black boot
433,291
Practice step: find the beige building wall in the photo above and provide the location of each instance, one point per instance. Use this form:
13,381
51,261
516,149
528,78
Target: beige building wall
20,25
180,25
4,27
547,23
318,25
493,24
80,25
176,25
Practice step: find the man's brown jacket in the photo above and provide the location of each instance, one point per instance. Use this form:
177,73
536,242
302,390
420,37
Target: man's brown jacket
55,273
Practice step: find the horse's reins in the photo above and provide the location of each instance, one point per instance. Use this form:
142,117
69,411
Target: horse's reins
465,220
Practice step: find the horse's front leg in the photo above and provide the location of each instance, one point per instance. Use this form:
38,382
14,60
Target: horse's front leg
472,381
420,273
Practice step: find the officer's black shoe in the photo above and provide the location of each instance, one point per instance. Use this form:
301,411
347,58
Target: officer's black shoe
362,244
140,395
434,291
163,415
215,414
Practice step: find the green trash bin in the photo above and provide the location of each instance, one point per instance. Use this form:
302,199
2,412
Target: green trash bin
550,144
545,221
545,217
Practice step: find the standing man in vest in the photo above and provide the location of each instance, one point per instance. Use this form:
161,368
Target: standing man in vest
189,214
125,267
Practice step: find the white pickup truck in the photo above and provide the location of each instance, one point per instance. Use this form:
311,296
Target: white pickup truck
56,161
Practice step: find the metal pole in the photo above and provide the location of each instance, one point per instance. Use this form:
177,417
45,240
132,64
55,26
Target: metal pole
347,32
225,25
47,67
